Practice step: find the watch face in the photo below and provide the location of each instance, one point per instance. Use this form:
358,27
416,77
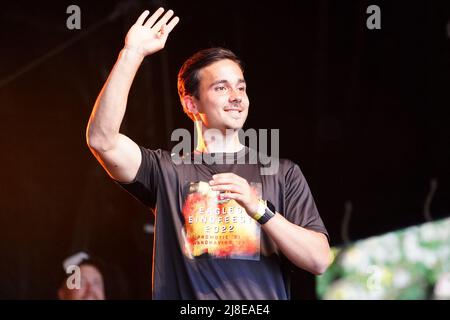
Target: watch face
268,214
270,206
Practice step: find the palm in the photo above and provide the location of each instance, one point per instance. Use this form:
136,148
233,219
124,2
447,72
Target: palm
150,36
144,38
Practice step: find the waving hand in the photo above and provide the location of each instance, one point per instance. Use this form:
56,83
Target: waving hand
148,37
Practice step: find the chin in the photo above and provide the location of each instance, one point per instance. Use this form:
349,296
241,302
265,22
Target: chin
234,126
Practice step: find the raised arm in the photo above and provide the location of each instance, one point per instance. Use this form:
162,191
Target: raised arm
118,154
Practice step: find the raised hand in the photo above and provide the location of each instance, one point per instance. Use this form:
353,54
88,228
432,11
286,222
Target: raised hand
150,37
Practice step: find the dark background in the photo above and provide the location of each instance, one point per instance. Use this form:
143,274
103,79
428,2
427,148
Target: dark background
363,112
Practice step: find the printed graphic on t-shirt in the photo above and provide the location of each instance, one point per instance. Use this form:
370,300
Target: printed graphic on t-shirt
219,228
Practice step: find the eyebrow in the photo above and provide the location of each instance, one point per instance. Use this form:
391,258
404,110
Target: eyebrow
225,81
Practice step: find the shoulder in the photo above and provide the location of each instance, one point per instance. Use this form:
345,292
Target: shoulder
288,164
155,154
155,160
290,171
275,166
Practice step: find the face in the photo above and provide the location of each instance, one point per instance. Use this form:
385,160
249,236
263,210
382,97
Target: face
223,102
91,287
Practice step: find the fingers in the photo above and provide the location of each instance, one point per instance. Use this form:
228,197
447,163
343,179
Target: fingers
221,176
161,27
230,195
154,17
227,187
228,178
142,17
163,20
172,24
228,182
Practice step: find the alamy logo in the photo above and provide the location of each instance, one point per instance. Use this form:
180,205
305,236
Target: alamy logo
374,20
74,280
257,141
74,20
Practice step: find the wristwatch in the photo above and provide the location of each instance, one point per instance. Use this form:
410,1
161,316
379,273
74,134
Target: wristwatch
265,212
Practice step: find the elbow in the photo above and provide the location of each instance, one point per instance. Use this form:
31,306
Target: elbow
322,263
94,144
98,145
320,268
97,142
316,266
91,140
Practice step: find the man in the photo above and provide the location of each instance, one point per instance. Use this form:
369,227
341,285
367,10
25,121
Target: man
223,230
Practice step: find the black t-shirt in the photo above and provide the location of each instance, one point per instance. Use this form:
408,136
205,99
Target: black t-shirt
206,248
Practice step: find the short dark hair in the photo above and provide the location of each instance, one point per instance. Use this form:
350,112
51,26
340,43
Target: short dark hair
188,76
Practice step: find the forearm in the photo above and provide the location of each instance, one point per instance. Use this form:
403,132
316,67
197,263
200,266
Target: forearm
109,109
307,249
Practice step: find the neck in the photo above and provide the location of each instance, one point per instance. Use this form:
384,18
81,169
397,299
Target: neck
215,140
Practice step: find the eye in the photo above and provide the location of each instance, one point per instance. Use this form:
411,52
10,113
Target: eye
220,88
241,88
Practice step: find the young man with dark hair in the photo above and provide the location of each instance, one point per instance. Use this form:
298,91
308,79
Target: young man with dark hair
189,74
224,230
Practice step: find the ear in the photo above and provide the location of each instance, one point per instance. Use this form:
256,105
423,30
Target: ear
190,104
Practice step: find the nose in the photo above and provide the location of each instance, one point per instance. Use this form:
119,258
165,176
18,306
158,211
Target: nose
235,96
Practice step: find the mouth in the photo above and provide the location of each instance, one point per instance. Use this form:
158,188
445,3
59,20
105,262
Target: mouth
233,110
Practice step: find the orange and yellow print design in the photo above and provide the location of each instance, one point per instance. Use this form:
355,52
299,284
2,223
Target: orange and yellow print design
218,228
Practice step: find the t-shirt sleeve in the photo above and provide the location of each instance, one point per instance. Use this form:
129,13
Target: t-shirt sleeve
144,185
300,207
